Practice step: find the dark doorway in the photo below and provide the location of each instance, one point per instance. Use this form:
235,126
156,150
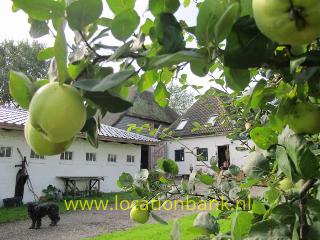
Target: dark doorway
223,157
144,157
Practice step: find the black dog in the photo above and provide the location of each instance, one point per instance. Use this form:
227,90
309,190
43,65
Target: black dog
37,212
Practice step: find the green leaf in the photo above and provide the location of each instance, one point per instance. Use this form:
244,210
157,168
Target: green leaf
110,81
108,102
76,68
117,6
206,179
91,129
125,181
147,80
314,231
38,29
199,68
246,46
284,163
260,95
168,166
168,33
241,224
161,94
284,213
234,170
264,137
314,207
121,51
246,7
167,60
81,13
145,28
158,218
45,54
106,22
163,6
209,13
224,25
207,222
186,3
21,88
41,10
237,79
305,162
271,195
175,232
124,24
256,165
258,207
60,54
269,229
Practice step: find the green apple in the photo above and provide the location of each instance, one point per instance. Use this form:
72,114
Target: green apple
286,184
57,111
294,22
41,145
304,118
139,214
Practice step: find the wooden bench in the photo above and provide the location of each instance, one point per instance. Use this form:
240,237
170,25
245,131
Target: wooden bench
70,183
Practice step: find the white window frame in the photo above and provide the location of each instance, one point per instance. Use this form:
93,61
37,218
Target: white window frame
130,159
212,120
35,156
91,157
5,149
66,153
182,124
112,158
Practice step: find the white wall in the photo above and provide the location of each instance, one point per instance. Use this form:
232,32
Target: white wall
45,171
210,142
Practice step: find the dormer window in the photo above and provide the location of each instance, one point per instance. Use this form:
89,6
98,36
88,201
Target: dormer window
182,124
212,120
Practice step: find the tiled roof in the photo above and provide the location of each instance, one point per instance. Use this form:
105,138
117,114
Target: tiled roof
208,105
13,118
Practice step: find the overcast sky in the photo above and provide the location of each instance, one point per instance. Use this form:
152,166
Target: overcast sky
15,26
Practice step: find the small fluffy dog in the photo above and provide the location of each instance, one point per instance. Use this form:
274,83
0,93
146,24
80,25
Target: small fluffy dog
37,212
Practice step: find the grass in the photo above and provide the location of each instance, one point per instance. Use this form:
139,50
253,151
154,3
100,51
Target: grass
155,231
20,213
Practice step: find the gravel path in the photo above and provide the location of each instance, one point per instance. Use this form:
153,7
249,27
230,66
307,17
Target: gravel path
76,225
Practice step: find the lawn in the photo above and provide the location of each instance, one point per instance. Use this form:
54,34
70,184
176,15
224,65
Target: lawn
155,231
20,213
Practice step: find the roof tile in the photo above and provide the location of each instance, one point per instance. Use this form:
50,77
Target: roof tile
16,118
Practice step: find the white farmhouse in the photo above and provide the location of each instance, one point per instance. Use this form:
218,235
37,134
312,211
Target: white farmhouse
119,151
207,142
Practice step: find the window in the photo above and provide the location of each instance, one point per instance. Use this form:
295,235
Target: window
112,157
66,156
179,155
130,159
33,155
202,154
90,157
182,124
212,120
5,152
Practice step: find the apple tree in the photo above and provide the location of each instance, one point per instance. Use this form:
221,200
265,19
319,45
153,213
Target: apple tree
266,52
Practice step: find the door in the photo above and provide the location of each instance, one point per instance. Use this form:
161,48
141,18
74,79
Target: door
223,157
144,157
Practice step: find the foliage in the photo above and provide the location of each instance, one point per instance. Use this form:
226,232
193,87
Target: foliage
19,56
271,83
52,193
180,99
